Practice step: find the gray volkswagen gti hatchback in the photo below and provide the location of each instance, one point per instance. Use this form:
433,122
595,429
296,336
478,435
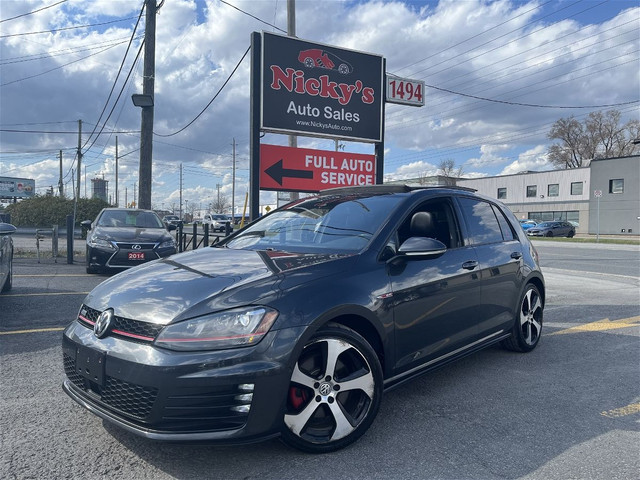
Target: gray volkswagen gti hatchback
295,325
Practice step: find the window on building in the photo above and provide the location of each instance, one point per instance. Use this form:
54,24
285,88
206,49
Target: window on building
532,191
576,188
502,193
553,190
616,185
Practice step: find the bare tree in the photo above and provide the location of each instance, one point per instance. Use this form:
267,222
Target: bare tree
600,136
447,168
220,204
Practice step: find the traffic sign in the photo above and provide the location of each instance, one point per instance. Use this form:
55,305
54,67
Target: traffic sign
309,170
598,193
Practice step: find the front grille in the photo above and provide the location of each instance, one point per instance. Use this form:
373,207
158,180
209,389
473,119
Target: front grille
204,409
129,399
129,245
134,400
122,327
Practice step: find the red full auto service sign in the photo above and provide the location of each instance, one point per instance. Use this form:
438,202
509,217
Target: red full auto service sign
320,90
309,170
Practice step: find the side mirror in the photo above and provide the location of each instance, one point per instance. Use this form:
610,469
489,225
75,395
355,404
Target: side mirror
171,227
422,246
86,224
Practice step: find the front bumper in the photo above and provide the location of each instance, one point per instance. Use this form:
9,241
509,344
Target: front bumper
98,257
227,396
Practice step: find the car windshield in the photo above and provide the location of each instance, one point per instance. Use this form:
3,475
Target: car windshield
545,225
129,218
330,223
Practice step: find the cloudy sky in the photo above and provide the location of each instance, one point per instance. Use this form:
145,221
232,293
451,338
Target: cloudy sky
498,74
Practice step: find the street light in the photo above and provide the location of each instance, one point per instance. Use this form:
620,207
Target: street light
141,100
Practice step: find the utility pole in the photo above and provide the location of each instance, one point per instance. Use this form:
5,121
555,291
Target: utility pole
291,32
180,190
233,186
117,204
60,184
146,124
79,158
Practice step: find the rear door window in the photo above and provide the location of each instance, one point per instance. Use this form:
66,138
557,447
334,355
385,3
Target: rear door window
482,225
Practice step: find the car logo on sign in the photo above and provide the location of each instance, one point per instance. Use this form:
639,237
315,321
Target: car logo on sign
103,323
136,247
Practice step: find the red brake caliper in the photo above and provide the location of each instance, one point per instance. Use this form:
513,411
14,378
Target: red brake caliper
297,396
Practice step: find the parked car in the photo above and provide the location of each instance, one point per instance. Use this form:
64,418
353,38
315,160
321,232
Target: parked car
171,220
6,256
527,224
123,237
552,229
217,221
295,325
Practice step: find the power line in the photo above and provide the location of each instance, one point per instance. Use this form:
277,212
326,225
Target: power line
32,12
53,30
57,68
124,58
253,16
531,104
211,101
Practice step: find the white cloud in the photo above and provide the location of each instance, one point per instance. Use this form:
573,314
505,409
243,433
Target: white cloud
501,50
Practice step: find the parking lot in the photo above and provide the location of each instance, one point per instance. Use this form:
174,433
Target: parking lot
569,409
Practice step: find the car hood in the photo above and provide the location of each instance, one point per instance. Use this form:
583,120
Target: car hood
201,281
131,234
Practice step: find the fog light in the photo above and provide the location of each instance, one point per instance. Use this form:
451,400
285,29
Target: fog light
241,409
247,397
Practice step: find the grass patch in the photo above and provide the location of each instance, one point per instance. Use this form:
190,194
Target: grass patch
614,241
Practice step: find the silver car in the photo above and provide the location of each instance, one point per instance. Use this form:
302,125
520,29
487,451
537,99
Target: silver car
6,256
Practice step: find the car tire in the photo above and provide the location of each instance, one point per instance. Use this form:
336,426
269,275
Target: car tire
335,391
527,327
571,234
549,234
8,284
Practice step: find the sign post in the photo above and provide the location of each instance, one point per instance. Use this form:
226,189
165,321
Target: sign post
598,194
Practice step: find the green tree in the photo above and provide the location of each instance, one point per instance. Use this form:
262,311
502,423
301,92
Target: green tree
45,211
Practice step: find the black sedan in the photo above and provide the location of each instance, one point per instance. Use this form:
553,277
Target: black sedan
6,256
296,324
123,238
552,229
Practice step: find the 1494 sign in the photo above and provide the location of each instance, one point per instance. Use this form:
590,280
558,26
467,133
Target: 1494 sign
405,91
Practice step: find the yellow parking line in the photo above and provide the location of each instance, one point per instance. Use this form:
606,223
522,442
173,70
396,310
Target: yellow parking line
35,330
601,325
622,412
42,294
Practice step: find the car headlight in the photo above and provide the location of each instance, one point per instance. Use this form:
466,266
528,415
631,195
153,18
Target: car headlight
168,244
97,242
232,328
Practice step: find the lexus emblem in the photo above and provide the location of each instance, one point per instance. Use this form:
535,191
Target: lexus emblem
103,323
136,247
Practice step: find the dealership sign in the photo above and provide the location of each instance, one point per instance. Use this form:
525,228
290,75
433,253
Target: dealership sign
309,170
11,187
319,90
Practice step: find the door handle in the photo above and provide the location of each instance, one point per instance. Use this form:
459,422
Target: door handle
516,255
470,265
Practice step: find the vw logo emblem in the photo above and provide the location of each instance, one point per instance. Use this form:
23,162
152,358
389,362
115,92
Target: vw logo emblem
325,389
136,247
103,323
